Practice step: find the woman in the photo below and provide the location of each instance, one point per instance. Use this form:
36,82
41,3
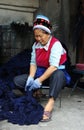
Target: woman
48,60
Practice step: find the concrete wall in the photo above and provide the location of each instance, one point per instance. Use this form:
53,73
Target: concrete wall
17,10
74,4
14,40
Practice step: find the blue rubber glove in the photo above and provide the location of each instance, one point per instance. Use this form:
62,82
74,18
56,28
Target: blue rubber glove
36,84
29,82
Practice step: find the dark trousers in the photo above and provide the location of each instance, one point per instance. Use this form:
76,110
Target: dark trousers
56,82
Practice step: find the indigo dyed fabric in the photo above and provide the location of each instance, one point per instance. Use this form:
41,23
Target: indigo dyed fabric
24,110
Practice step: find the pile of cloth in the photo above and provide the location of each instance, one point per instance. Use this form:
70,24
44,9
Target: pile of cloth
23,110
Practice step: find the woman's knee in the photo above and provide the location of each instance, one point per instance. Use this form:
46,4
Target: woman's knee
58,73
20,80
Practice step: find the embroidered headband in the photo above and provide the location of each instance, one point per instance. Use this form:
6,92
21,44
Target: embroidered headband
42,22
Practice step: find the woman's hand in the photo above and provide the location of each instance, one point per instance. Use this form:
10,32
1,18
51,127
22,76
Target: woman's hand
36,84
29,82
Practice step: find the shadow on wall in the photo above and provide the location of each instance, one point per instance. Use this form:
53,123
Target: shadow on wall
14,38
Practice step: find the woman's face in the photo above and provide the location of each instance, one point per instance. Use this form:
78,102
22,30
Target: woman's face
41,36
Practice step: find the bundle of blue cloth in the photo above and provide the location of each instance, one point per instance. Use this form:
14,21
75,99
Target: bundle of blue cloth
24,110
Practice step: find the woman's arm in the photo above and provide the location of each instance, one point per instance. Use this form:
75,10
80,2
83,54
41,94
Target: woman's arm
47,73
33,66
32,70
